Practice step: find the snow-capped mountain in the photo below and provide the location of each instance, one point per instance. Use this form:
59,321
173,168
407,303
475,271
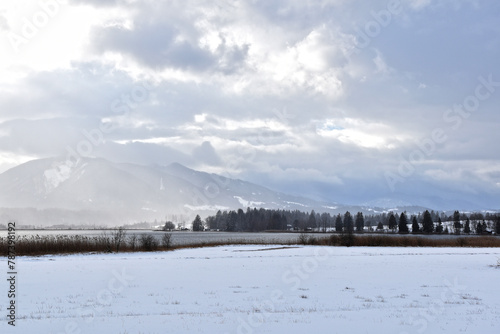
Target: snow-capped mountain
97,191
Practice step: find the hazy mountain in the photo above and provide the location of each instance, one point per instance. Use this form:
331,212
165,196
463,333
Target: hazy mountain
97,191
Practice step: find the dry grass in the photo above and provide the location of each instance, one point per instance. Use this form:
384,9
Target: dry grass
64,244
409,241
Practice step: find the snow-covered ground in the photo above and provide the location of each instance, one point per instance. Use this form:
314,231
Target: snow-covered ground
260,289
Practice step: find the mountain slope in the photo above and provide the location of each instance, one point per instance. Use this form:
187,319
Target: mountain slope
96,191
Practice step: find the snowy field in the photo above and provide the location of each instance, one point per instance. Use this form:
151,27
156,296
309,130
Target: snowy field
260,289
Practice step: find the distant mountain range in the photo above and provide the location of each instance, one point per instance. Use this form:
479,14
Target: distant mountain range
96,191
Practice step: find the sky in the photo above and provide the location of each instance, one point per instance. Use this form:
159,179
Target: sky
355,102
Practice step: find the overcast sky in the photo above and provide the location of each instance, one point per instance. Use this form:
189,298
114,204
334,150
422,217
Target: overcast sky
347,101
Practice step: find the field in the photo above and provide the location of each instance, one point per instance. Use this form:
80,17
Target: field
261,289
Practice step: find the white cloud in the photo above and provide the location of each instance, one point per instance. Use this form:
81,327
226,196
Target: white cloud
220,72
419,4
381,65
358,132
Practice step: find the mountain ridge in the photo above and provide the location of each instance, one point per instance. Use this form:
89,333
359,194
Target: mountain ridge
97,191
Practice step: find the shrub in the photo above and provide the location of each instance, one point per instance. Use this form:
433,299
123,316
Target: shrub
118,238
462,242
303,239
347,239
148,242
166,240
132,241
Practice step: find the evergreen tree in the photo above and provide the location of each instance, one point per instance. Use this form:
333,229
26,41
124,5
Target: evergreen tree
360,222
325,219
392,222
439,227
348,238
467,226
427,224
456,222
311,222
415,228
218,220
339,226
231,221
197,224
275,223
479,228
380,226
284,222
403,223
497,226
241,221
348,222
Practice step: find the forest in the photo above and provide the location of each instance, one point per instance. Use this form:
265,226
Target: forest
256,220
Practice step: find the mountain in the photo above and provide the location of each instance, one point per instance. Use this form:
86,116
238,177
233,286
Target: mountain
96,191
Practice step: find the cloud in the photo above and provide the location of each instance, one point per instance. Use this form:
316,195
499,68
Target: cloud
205,154
269,91
156,46
4,23
419,4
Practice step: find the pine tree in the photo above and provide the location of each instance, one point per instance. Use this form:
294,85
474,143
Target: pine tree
231,221
479,228
348,222
197,224
467,226
311,222
360,222
439,227
347,238
415,227
497,225
403,223
325,219
456,222
392,222
339,226
427,224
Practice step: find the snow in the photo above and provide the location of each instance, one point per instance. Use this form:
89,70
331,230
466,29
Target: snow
55,176
206,207
261,289
148,209
295,203
246,203
59,173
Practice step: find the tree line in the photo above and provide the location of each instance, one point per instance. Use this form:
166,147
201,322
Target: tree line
256,220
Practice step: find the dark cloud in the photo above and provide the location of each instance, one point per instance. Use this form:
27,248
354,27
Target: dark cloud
160,39
153,45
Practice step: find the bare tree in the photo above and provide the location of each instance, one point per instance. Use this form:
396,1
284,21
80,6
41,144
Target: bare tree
132,239
166,240
148,242
118,237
